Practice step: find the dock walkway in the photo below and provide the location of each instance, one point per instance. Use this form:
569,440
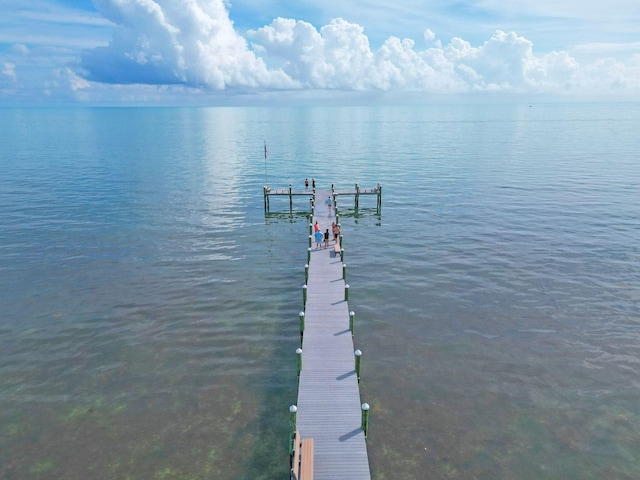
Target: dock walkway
329,406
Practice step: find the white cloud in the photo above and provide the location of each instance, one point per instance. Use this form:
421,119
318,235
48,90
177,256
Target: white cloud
338,56
500,62
9,71
554,71
63,85
191,47
165,42
8,79
64,81
550,24
429,36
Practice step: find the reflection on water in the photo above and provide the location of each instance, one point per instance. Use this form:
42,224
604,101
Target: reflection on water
150,307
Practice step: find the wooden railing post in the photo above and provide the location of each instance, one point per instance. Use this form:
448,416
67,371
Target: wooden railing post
292,427
365,419
358,355
299,354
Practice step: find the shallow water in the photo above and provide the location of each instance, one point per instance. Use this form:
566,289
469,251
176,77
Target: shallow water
150,308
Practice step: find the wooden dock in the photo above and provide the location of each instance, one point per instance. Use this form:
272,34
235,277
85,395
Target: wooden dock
329,409
268,192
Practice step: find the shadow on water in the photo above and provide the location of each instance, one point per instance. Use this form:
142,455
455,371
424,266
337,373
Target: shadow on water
358,213
290,216
296,205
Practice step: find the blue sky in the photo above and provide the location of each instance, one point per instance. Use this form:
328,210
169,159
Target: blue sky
243,51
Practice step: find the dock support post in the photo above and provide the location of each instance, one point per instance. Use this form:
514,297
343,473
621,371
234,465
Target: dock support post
299,354
290,199
265,190
365,418
292,427
358,355
342,254
301,315
310,240
357,196
306,273
344,271
340,238
346,293
309,255
304,295
379,199
352,317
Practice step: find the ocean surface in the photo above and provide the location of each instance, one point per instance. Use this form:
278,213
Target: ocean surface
149,307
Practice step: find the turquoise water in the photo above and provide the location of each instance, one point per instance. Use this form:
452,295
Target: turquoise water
150,309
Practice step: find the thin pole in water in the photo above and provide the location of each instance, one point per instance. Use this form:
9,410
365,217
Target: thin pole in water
266,180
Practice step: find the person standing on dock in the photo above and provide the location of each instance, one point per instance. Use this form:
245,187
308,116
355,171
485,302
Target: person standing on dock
316,226
326,238
329,203
336,231
306,184
318,236
313,183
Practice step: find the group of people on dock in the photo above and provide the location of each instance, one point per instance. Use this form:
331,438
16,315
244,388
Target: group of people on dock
306,183
319,236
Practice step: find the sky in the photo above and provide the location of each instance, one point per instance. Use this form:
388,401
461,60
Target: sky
236,52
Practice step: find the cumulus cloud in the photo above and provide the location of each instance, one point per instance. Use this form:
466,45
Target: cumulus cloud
193,43
65,84
338,56
430,37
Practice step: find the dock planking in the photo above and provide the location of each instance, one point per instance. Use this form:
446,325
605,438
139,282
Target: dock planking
329,406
